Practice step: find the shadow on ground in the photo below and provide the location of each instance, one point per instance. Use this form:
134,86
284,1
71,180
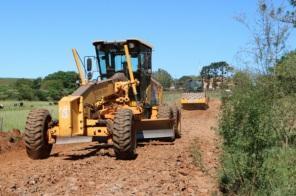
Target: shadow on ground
105,150
195,107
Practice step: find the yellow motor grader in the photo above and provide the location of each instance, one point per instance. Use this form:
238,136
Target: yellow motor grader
117,103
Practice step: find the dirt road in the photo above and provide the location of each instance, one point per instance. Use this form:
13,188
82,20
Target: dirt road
160,168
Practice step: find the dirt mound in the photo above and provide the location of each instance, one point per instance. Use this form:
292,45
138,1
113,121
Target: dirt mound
10,140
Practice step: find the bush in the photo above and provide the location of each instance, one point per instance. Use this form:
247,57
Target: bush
257,122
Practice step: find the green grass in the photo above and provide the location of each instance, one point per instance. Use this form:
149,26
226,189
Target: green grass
15,117
196,155
171,96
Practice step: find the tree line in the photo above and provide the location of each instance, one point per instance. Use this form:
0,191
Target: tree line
217,71
50,88
56,85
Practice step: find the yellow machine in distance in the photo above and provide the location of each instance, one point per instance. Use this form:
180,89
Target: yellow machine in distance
194,97
117,102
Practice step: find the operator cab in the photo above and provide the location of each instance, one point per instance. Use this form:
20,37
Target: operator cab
111,59
194,86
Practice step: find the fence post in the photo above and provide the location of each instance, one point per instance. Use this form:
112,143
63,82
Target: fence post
1,123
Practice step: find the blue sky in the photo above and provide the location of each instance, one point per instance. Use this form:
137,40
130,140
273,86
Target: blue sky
36,37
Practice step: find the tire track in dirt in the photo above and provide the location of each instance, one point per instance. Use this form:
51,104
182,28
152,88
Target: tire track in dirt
161,168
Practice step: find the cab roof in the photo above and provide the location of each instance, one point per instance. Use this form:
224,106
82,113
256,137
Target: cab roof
135,41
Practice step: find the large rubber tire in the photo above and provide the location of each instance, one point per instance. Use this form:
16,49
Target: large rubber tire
36,137
177,116
124,137
164,111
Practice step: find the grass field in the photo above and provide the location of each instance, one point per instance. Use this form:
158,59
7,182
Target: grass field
15,117
171,96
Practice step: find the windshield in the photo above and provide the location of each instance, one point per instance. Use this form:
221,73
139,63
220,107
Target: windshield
112,62
194,86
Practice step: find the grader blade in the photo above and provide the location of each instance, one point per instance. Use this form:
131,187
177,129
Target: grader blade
72,140
155,134
80,139
153,129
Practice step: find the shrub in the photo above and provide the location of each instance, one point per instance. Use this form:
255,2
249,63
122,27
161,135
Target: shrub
257,121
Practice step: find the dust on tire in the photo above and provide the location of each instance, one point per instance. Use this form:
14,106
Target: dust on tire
124,137
36,138
164,111
177,124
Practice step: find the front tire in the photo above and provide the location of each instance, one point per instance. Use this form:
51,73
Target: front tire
36,136
124,136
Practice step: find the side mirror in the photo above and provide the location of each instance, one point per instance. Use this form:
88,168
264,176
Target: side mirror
89,75
89,64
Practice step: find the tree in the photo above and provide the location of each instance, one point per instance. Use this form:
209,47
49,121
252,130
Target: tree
286,73
68,78
163,77
37,83
269,36
181,82
217,69
53,88
25,89
42,95
58,84
289,16
8,93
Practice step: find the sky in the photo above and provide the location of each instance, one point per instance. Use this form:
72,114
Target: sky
36,37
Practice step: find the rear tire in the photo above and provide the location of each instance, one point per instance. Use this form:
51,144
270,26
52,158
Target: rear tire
177,125
124,137
165,111
36,136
